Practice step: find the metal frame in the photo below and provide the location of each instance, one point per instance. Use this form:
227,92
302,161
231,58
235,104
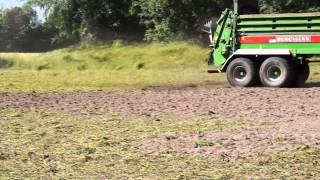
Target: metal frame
236,14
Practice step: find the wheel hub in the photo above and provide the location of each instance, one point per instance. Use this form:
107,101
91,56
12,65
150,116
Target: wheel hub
240,73
274,73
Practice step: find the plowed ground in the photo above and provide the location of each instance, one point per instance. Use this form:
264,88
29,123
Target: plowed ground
291,116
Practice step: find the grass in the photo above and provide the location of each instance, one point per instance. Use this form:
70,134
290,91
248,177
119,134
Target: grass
37,145
115,66
107,67
46,81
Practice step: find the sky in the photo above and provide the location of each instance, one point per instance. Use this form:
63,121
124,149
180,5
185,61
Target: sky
14,3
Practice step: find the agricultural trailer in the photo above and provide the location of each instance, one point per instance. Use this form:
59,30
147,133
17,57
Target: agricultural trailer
268,49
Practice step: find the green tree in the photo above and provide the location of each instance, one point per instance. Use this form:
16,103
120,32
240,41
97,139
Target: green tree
168,19
160,20
16,23
20,30
89,20
286,6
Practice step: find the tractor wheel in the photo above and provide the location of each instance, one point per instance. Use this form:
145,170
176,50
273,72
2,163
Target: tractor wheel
302,74
276,72
242,72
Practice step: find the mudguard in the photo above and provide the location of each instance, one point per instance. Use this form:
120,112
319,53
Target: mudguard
255,53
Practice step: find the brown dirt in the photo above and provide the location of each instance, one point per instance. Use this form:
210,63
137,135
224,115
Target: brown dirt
257,103
298,108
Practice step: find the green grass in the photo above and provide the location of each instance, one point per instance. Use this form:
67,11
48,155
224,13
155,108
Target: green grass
107,67
116,66
35,145
45,81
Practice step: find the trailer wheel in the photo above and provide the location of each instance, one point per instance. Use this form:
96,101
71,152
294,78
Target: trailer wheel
242,72
276,72
302,74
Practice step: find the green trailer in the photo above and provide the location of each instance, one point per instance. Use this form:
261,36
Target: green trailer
272,49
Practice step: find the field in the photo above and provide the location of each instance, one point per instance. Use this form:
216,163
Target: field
107,67
149,112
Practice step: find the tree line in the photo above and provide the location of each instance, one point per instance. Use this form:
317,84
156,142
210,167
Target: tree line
74,21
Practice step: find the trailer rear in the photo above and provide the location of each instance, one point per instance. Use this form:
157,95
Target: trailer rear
272,49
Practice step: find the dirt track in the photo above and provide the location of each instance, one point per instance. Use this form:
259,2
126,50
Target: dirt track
298,109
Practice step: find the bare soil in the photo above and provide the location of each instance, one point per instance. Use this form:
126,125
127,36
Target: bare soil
256,103
297,109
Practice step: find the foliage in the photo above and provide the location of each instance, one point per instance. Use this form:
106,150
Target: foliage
89,20
284,6
20,30
73,21
166,19
163,20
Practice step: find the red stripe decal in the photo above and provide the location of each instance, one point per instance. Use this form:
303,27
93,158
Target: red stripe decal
315,38
279,39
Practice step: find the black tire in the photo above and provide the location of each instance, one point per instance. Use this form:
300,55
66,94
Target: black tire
276,72
302,74
242,72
